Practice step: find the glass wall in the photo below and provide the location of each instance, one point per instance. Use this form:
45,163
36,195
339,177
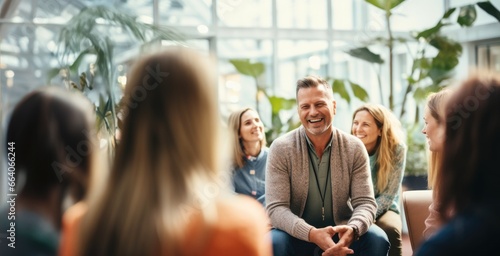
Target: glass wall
291,38
245,13
311,14
488,56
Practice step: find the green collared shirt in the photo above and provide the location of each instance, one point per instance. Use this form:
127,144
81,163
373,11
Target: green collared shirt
312,211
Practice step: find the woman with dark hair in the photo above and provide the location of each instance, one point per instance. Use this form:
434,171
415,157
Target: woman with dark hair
469,174
249,153
50,148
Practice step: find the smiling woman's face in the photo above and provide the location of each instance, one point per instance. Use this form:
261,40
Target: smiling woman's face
365,128
251,127
434,131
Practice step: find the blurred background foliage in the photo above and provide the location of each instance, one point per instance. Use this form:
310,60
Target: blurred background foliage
433,65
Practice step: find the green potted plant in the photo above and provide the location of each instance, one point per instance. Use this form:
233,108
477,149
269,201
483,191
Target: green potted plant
432,69
88,52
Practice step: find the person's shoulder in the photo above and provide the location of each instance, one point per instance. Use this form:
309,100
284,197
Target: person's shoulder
341,135
241,208
289,138
401,146
70,228
347,139
241,228
75,213
265,151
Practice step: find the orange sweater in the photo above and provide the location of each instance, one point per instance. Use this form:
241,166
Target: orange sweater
241,228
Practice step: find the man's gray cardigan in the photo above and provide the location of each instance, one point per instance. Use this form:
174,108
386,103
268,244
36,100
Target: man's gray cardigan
287,183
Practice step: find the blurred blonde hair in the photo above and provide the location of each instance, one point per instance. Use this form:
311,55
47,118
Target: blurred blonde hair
435,104
234,123
391,137
167,164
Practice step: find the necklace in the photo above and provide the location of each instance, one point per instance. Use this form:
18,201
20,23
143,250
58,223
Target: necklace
323,196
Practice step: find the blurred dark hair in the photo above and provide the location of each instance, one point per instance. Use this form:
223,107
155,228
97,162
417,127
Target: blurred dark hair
469,173
51,129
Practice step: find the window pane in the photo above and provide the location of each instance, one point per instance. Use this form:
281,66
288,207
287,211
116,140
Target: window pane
248,13
482,56
302,14
298,59
342,14
407,16
185,13
237,90
495,58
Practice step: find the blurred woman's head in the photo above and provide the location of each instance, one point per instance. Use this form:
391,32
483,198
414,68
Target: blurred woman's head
52,132
247,127
167,162
434,127
171,120
381,133
469,173
434,120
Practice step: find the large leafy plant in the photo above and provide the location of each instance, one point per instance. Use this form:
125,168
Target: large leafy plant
433,64
88,49
436,56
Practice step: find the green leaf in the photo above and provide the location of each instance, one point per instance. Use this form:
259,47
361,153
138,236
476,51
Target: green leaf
73,68
53,72
429,33
421,64
490,9
365,54
338,86
448,13
359,92
438,74
467,15
276,121
385,5
443,43
279,103
245,67
108,106
419,94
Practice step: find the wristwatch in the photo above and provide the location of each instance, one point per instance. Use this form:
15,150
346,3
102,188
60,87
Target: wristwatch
355,232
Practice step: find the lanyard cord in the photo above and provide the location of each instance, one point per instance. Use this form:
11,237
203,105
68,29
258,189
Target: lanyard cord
317,183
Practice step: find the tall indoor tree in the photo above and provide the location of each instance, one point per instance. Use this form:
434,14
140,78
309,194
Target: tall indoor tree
88,49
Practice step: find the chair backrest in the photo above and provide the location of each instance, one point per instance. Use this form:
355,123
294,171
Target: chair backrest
416,209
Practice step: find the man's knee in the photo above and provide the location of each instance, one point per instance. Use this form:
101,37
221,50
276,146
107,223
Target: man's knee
281,242
375,241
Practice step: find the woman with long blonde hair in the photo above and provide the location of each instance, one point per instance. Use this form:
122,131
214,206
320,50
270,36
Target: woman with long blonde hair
166,193
434,130
249,153
382,135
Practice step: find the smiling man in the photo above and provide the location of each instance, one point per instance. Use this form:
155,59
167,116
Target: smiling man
319,193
